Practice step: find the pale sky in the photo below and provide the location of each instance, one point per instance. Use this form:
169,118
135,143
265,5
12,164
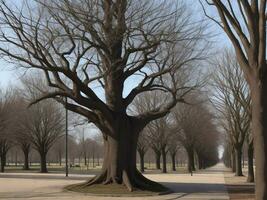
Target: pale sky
9,75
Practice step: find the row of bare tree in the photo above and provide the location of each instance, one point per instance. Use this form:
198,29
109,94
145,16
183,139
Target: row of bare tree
187,126
232,100
83,45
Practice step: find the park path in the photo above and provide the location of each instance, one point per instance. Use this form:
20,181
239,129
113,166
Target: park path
204,185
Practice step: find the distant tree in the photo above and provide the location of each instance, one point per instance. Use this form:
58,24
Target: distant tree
6,124
232,100
191,123
59,148
43,122
157,131
143,145
173,147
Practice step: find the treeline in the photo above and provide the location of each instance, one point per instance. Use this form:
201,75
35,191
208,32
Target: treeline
189,126
232,100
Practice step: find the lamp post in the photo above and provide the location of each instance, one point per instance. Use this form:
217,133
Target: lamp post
66,145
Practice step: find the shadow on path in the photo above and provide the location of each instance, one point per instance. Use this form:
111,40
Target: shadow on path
195,187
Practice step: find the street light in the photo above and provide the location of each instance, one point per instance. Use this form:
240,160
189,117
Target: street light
66,145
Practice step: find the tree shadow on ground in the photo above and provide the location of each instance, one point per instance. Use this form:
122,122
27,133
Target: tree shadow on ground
195,187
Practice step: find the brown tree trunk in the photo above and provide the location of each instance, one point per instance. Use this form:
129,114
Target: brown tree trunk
60,158
173,155
250,178
26,160
238,159
43,162
85,160
200,161
3,162
233,160
191,160
164,160
157,158
119,164
259,130
142,160
26,151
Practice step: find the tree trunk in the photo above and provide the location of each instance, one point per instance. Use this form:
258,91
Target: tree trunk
43,162
164,160
3,162
199,161
258,87
238,159
233,159
191,160
250,178
85,160
157,157
26,160
142,160
60,158
173,155
119,165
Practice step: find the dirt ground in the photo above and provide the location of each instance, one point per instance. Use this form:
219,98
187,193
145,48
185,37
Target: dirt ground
238,188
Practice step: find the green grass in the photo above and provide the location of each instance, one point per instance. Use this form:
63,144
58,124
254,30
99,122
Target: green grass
55,168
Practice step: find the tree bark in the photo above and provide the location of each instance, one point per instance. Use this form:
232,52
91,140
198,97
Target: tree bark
3,162
164,160
142,160
119,165
26,160
191,160
26,151
43,162
173,155
238,159
233,160
157,157
259,130
85,160
200,161
60,158
250,178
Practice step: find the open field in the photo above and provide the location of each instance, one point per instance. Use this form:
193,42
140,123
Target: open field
82,169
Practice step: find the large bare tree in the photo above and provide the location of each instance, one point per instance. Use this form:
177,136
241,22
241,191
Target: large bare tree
244,22
90,52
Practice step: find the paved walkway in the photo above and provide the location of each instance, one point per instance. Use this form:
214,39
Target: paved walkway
204,185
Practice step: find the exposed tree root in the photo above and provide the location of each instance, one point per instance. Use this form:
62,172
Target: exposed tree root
132,181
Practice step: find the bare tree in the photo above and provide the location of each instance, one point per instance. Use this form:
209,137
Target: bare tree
173,147
143,145
158,131
247,33
59,148
6,124
42,122
191,123
232,100
81,44
183,126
